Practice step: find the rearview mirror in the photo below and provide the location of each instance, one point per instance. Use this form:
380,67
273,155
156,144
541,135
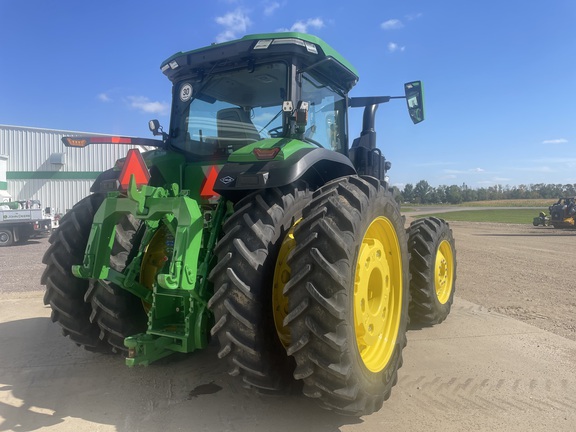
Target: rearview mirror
415,100
154,126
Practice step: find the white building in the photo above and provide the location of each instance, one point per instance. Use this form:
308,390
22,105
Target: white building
39,166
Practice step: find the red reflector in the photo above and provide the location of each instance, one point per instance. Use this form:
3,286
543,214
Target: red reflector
134,164
266,154
110,140
208,188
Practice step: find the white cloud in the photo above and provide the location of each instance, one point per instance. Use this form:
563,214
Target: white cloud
392,24
270,8
412,17
393,47
555,141
433,164
303,26
493,182
570,161
471,170
103,97
142,103
235,24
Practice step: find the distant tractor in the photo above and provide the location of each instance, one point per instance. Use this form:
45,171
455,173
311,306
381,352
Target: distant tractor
255,223
541,219
563,213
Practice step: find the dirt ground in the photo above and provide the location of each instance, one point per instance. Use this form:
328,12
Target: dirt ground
479,370
521,271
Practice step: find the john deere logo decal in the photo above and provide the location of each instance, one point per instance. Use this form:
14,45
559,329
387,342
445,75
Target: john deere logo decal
226,180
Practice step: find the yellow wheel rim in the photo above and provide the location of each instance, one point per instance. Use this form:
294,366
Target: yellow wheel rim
281,277
444,271
378,294
154,259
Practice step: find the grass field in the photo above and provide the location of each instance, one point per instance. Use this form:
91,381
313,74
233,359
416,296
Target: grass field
541,202
513,216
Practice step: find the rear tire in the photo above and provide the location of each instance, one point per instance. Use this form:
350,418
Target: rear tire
243,282
117,312
65,292
348,296
6,237
432,269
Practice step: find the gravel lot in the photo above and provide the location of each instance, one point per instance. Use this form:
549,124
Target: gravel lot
479,370
521,271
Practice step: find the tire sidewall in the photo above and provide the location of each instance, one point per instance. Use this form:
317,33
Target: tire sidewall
6,238
444,235
374,382
286,205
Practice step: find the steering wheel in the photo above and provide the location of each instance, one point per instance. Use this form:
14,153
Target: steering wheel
313,141
276,132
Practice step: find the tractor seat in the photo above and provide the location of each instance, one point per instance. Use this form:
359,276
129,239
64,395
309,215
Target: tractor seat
235,129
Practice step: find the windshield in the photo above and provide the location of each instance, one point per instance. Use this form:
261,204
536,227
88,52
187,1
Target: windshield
228,110
326,116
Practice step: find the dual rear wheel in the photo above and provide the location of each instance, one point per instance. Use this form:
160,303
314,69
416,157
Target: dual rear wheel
348,296
315,287
432,269
95,314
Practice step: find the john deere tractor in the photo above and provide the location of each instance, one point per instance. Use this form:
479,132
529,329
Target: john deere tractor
254,222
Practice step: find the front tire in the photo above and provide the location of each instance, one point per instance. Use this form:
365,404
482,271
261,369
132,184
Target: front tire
348,296
243,281
432,269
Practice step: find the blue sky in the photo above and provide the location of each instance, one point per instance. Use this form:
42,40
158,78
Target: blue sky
499,76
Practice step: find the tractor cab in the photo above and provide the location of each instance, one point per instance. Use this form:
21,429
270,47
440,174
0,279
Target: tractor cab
276,87
264,92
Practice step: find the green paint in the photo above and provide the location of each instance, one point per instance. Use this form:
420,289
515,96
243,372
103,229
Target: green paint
168,163
3,185
506,216
327,49
52,175
288,148
324,47
178,319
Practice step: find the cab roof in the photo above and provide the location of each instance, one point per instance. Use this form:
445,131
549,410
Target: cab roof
256,46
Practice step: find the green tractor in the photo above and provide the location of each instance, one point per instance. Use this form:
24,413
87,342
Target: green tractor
254,223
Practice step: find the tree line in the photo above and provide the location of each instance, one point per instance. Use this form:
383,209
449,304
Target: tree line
423,193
